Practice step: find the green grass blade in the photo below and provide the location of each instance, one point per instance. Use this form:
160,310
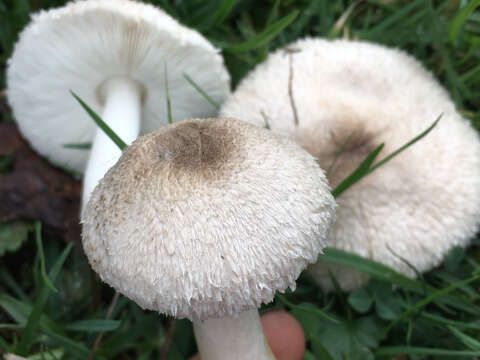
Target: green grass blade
369,267
383,272
457,88
273,14
16,309
11,326
397,16
167,96
265,36
444,321
407,145
93,325
471,75
225,8
40,302
43,271
202,92
430,298
100,123
447,278
459,20
408,350
358,173
365,167
468,341
20,311
314,311
78,146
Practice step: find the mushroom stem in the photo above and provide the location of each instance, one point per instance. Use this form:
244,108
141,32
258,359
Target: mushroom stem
121,112
232,337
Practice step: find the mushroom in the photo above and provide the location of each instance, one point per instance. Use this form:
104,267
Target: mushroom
113,54
207,219
340,100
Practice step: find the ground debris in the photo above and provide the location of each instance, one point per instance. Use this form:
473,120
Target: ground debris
33,189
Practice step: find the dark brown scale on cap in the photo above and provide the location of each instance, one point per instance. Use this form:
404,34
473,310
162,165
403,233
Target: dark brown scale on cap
186,156
199,147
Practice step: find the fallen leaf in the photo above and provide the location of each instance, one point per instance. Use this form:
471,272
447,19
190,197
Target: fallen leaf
35,190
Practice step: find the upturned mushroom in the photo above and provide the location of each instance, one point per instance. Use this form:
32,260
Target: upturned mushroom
206,220
113,54
340,100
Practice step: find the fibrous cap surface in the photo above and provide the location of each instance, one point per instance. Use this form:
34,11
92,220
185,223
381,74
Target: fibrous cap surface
206,218
350,97
81,46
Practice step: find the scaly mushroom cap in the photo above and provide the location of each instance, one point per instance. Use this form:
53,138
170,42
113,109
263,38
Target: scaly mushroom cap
207,218
350,97
81,46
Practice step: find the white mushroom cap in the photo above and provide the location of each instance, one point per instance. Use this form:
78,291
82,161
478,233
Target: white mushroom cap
207,218
357,94
81,46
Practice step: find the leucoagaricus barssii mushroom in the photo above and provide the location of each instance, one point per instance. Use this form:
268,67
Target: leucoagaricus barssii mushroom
114,54
340,100
206,219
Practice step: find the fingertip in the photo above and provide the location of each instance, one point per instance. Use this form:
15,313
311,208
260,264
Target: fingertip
284,335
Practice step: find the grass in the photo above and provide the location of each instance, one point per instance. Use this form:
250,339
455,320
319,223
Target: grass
436,316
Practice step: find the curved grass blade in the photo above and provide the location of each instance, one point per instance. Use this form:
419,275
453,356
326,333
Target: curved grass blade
94,325
396,17
365,167
383,272
430,298
43,271
202,92
444,321
314,311
369,267
40,302
457,23
265,36
100,123
225,8
11,326
407,145
358,173
218,17
468,341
